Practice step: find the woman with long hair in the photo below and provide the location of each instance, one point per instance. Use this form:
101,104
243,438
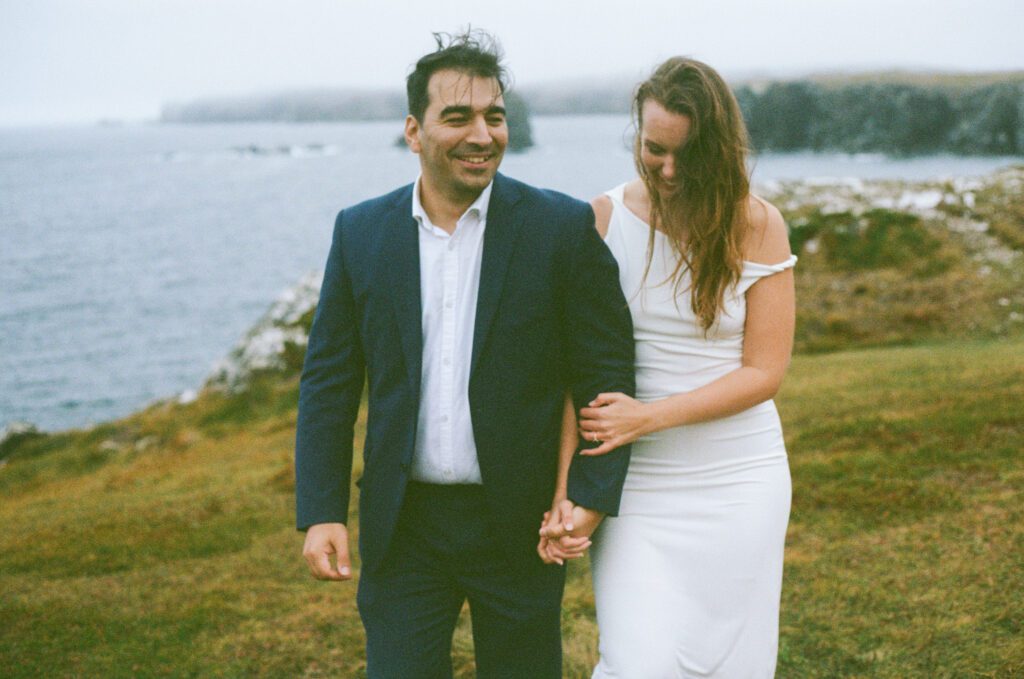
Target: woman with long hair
688,576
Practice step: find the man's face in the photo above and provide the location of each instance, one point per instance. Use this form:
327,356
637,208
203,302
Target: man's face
463,135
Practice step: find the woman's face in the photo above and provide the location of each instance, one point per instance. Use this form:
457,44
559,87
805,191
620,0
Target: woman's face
662,135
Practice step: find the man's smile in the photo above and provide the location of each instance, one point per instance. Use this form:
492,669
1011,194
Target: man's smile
475,159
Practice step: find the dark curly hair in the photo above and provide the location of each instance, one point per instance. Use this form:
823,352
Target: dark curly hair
473,52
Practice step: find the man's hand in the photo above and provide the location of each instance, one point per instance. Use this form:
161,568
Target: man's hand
550,552
322,540
566,532
582,520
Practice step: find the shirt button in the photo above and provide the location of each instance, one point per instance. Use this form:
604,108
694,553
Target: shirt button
447,361
449,304
444,418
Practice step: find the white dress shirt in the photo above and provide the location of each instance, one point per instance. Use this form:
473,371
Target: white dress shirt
449,281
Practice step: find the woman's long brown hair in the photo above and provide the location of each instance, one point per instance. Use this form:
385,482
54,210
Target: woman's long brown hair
705,217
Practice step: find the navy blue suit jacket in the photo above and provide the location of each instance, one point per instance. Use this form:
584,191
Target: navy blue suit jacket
550,317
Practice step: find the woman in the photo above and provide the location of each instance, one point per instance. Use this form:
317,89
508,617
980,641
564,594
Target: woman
687,577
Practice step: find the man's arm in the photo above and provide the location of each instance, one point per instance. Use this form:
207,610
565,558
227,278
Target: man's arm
329,394
599,347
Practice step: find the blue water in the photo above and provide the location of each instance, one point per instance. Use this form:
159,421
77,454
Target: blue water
132,258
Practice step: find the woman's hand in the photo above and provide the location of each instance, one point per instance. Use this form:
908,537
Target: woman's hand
614,420
559,522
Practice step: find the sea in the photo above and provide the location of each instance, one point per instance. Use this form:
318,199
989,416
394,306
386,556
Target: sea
133,257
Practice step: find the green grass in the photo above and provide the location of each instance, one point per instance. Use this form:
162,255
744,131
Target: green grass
905,546
161,545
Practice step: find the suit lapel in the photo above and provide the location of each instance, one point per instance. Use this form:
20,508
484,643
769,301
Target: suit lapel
402,252
499,242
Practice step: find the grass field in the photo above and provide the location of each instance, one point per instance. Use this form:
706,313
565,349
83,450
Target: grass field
162,544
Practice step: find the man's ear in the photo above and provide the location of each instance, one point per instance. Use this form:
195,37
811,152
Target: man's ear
412,133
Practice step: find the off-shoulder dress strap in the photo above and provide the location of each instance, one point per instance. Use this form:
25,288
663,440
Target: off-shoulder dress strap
755,271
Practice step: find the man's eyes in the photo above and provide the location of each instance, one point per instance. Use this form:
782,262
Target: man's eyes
492,119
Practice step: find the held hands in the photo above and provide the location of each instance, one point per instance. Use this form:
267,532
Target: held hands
614,420
565,532
322,540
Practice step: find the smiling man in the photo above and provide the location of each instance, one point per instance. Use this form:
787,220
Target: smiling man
470,303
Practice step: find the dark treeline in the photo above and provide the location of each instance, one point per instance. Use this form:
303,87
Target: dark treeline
892,118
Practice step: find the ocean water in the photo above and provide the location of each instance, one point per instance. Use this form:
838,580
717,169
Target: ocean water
132,258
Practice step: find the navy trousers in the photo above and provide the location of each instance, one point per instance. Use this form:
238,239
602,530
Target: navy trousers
442,555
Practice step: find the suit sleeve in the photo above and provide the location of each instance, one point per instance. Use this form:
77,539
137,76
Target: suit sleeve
600,355
329,395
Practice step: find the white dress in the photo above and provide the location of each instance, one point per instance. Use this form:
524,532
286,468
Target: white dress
687,578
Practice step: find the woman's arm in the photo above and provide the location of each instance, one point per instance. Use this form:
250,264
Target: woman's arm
616,419
566,449
553,551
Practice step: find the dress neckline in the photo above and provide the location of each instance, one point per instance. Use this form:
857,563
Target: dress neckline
618,195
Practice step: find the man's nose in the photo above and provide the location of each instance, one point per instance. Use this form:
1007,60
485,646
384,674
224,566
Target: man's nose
479,132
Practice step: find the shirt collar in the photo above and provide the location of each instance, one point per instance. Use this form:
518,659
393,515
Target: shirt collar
479,205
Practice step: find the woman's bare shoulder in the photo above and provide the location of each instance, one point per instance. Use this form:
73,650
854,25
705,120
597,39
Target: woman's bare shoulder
602,205
767,238
636,200
634,195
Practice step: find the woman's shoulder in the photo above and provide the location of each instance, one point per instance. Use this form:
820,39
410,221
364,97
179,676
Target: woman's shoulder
634,196
767,239
603,206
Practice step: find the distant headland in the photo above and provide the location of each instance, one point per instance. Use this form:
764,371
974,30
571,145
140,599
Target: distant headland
892,112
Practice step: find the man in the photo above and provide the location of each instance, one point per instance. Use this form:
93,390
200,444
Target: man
471,303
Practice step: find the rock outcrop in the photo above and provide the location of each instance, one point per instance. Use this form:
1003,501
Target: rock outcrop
277,343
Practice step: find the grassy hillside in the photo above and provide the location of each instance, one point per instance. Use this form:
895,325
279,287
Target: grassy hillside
894,262
161,545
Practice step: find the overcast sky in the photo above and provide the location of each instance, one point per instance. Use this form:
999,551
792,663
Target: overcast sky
81,60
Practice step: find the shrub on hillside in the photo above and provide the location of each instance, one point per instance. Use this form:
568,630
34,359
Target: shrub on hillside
877,239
